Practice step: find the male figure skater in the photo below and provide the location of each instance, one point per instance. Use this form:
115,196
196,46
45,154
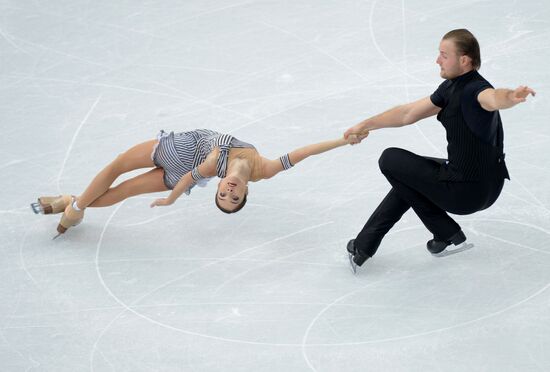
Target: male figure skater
472,177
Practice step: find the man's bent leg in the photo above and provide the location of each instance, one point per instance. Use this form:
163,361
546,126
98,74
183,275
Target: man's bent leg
415,179
440,224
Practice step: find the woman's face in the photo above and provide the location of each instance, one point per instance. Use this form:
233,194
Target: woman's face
231,192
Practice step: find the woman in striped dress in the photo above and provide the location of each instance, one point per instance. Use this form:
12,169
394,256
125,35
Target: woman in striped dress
180,161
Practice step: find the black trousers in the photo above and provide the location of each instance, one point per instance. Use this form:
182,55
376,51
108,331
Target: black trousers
415,185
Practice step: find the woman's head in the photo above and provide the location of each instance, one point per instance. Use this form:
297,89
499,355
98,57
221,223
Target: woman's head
231,194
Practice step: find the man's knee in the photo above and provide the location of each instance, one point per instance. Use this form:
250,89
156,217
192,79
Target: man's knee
390,159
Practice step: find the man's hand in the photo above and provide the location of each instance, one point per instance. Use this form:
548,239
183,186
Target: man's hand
354,139
520,94
161,202
357,130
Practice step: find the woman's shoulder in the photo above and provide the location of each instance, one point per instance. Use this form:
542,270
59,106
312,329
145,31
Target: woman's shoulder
269,167
208,166
214,153
243,152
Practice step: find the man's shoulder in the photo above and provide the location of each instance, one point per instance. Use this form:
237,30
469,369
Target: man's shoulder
476,85
443,88
478,80
445,84
441,94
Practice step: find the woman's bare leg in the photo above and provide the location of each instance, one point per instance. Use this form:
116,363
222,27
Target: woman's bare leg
136,157
152,181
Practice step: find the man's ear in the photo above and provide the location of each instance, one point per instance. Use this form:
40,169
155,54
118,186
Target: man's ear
464,60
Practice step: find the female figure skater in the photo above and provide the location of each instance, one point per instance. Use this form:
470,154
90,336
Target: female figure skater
180,161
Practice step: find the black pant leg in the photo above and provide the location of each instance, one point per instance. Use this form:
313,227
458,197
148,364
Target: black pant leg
380,222
440,224
408,167
416,180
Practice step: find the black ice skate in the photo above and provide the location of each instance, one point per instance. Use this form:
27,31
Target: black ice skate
437,246
355,257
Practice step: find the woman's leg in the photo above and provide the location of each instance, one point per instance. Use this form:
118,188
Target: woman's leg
136,157
152,181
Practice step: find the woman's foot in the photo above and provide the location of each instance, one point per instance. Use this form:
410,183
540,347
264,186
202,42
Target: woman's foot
51,204
71,217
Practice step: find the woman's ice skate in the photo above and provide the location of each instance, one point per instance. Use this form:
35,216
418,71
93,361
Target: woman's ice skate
51,204
71,217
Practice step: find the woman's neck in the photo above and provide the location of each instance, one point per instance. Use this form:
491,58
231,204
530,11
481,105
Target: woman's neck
239,168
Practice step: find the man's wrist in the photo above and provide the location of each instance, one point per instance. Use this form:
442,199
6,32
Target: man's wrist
365,126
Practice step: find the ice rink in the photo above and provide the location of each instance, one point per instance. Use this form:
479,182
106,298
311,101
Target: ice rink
187,288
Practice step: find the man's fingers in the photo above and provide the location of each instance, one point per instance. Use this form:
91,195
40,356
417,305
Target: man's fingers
524,90
348,133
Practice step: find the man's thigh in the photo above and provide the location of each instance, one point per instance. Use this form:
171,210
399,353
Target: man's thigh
420,174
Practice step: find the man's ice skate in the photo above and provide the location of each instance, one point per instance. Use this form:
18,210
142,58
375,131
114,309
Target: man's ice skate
437,246
51,204
355,257
71,217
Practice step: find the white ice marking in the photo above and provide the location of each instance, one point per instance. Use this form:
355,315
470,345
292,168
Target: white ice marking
75,135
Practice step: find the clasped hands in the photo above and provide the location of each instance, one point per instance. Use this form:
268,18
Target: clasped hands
355,134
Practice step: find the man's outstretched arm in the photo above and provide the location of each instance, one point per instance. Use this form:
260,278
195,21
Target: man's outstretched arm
499,99
396,117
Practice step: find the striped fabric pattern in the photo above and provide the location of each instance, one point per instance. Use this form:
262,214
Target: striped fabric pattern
224,143
180,153
285,161
196,175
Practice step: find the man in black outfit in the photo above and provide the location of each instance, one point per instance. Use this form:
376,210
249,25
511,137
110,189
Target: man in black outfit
472,177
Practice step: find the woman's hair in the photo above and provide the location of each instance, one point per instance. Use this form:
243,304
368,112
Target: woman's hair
466,44
239,207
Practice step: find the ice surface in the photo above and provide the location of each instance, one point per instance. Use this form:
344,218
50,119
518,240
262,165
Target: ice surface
187,288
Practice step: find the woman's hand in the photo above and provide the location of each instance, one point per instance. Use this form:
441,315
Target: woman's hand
354,139
356,129
356,134
161,202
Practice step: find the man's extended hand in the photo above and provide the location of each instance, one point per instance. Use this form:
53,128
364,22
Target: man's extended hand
356,129
520,94
354,139
355,134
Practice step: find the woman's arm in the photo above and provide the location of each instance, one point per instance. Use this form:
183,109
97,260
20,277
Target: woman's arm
206,169
272,167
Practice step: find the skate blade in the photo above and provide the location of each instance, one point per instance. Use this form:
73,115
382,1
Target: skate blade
57,236
37,208
447,252
353,265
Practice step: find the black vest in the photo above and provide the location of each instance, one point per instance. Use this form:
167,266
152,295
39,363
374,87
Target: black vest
470,159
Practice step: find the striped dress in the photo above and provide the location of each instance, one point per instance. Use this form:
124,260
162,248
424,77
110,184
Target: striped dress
180,153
